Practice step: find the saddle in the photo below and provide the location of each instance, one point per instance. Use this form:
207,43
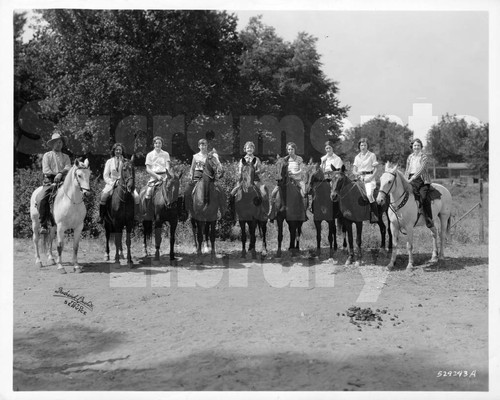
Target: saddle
432,194
53,192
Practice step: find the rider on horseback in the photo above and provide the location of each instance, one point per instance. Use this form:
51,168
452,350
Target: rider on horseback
261,191
296,173
196,172
364,169
55,166
111,174
417,174
158,167
329,160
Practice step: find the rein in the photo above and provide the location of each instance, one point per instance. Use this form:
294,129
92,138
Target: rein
405,195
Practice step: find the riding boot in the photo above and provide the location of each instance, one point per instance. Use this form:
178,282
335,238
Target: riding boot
428,214
102,212
373,213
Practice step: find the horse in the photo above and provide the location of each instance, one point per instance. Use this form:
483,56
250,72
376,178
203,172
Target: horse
290,207
355,209
69,213
404,212
120,211
168,207
207,200
323,208
251,209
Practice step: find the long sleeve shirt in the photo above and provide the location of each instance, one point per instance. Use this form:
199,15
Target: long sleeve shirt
417,166
55,162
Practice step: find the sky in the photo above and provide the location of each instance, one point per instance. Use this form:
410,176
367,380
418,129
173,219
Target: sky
384,61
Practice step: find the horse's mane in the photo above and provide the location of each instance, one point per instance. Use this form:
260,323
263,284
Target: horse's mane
246,175
406,185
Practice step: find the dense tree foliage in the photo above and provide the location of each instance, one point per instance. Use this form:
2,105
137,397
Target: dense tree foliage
455,140
119,63
388,140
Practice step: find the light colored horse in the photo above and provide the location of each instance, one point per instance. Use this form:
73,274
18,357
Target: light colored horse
404,214
69,213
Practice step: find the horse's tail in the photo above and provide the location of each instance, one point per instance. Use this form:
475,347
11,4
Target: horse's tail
448,226
148,229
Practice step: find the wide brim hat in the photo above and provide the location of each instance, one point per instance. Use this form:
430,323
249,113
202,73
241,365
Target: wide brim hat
56,136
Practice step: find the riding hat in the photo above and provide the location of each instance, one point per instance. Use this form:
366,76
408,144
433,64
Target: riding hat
56,136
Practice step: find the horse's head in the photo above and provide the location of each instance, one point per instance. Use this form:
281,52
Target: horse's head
387,182
171,188
338,180
81,176
210,167
128,175
247,173
314,175
282,169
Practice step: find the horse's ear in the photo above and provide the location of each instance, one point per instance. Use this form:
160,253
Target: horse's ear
342,168
86,163
132,159
254,161
243,161
310,161
277,157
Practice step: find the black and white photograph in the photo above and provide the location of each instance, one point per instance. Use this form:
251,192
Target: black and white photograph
283,200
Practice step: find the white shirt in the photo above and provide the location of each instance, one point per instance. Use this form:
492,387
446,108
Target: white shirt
54,162
112,170
158,161
327,161
365,163
199,161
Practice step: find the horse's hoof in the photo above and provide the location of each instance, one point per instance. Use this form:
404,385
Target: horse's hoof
348,262
38,264
357,264
77,270
61,270
254,255
243,255
51,261
410,267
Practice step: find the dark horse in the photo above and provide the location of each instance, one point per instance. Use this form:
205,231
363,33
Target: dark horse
323,208
167,206
290,207
355,208
207,200
120,211
251,209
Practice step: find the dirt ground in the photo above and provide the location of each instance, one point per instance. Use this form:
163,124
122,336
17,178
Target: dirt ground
235,324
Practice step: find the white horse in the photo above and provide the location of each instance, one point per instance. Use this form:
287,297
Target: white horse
404,214
69,213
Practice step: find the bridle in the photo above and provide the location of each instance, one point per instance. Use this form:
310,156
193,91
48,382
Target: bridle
82,189
340,189
404,196
124,184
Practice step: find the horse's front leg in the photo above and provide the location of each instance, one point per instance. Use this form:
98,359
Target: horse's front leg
108,235
199,235
263,228
395,238
157,227
36,240
389,231
382,228
350,242
252,225
434,257
332,237
409,248
60,245
118,244
50,257
173,227
128,242
76,241
317,224
359,233
212,238
243,239
280,235
207,236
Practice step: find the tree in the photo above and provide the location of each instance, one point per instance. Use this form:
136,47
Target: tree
282,78
476,149
388,140
446,139
133,62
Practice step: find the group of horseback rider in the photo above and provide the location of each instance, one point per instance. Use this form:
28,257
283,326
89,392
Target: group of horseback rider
56,164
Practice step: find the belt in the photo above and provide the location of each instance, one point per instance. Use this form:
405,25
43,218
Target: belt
366,172
160,173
